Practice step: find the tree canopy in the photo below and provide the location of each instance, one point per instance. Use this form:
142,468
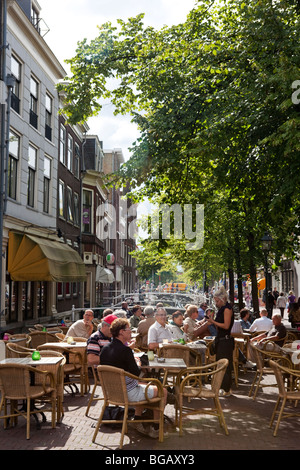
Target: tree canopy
213,101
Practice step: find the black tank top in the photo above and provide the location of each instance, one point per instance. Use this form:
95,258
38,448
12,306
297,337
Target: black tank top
220,319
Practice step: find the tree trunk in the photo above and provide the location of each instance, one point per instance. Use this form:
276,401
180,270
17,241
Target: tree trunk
254,290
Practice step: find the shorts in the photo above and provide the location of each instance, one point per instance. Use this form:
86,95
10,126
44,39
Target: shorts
138,393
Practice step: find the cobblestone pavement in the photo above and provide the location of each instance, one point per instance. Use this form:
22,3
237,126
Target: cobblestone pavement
247,421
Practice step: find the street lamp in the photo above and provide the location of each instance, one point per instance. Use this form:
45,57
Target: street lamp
266,246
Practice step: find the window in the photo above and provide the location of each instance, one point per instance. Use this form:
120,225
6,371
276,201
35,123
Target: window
48,123
61,199
77,161
16,91
70,217
32,154
76,209
62,144
87,211
14,148
35,18
70,153
47,178
34,89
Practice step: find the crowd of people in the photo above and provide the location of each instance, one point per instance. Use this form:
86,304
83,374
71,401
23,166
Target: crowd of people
112,344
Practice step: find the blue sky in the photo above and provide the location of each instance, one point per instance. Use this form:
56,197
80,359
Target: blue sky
71,21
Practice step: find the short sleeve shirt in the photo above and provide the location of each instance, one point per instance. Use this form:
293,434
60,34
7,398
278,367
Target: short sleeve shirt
96,342
157,333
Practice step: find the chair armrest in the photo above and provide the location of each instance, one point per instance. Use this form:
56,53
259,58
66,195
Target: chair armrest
43,374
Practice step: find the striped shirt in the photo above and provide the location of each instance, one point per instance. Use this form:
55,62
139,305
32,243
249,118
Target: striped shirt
96,342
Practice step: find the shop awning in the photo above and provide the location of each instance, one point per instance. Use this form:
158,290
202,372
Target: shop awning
104,275
32,258
261,284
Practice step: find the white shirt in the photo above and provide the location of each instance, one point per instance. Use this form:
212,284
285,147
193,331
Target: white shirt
157,333
261,324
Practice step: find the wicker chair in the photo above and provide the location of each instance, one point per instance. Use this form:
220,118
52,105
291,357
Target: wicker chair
60,336
114,389
292,395
262,358
54,330
189,386
15,384
58,372
74,371
41,337
92,397
23,339
176,351
15,350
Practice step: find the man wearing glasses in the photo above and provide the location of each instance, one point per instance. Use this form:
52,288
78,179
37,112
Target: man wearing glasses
83,328
159,331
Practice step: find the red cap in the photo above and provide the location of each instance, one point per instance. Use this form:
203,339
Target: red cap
109,318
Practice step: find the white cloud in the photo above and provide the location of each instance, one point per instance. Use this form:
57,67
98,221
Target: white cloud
71,21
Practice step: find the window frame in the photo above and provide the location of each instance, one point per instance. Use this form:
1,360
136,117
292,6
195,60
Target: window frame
13,159
32,167
34,102
47,185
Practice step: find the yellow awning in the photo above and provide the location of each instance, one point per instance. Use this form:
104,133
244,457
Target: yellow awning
32,258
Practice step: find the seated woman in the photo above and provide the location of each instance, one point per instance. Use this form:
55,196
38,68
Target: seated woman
176,326
190,323
205,328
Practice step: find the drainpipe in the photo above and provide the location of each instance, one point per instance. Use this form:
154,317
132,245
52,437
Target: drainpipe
2,151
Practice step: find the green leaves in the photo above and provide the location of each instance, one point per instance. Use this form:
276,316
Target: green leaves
212,99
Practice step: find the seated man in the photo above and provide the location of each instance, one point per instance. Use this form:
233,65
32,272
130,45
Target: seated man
275,334
245,322
83,328
261,324
99,339
117,354
159,330
143,327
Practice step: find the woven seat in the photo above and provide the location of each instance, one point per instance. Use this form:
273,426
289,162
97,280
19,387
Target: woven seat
73,368
190,386
23,339
177,351
16,384
262,367
15,350
58,372
41,337
114,389
281,373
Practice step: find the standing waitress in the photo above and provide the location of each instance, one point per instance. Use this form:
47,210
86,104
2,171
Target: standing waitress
224,342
